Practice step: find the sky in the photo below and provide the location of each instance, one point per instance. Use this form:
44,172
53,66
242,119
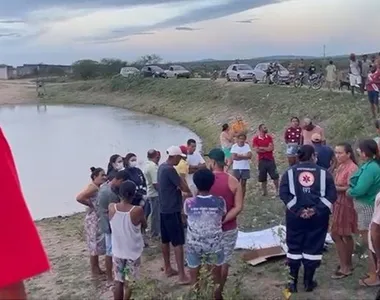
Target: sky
63,31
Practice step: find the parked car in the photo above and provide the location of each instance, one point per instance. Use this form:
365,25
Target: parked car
153,71
129,71
240,72
177,71
261,72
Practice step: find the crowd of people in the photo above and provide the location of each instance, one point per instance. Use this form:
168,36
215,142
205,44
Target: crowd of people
192,208
320,181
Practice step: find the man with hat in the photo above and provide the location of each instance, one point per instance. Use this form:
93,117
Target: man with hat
170,189
229,188
324,154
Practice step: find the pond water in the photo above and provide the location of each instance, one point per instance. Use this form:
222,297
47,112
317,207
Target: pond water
55,146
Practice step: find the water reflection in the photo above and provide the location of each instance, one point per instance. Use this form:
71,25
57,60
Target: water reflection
54,147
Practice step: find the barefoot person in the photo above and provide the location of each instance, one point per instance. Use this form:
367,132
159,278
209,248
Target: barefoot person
263,144
364,186
95,238
354,73
241,157
344,219
170,185
127,222
293,140
229,188
108,193
204,236
22,255
308,192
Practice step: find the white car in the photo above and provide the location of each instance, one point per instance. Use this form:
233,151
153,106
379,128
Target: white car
240,72
261,72
128,71
177,71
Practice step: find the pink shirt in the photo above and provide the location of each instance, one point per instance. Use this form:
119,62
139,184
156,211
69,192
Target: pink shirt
375,219
307,134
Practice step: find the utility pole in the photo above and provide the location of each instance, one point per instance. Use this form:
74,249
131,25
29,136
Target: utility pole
324,55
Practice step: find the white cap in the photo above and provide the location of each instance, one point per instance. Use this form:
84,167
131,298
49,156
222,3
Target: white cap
175,151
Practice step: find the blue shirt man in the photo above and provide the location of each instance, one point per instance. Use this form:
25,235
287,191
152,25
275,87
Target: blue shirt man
324,154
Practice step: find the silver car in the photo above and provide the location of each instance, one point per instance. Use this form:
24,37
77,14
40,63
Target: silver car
240,72
261,72
177,71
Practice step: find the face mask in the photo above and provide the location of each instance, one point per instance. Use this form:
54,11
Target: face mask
119,166
133,164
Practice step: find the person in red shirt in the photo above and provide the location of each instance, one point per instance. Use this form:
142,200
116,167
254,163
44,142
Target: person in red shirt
293,139
373,87
19,233
263,144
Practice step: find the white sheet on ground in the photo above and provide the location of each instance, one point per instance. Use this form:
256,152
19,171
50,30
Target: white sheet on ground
267,238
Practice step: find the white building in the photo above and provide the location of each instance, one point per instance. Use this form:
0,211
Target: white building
7,72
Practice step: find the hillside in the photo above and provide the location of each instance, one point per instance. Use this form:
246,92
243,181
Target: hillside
204,106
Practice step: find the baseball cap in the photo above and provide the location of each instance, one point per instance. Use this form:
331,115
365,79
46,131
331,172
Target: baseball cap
316,137
183,149
175,151
217,155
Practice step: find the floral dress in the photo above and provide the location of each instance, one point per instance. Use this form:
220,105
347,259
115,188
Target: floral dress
94,238
344,219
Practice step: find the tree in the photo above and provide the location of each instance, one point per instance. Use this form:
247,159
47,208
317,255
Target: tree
111,66
86,69
149,59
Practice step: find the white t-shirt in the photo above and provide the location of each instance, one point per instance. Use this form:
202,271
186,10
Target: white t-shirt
375,219
240,164
193,160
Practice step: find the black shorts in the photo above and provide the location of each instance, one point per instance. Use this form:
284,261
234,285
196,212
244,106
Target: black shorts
172,230
267,167
373,97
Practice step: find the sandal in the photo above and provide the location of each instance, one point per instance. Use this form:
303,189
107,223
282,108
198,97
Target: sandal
363,282
340,275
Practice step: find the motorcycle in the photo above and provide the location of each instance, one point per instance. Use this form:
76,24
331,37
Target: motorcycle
314,81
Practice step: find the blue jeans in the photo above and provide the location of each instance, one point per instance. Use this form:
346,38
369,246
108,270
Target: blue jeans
194,260
152,209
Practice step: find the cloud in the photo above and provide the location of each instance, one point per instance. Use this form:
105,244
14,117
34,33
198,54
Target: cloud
184,28
249,21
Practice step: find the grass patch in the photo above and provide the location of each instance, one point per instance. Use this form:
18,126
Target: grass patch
204,106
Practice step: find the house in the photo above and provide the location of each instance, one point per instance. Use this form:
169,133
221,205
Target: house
43,69
7,72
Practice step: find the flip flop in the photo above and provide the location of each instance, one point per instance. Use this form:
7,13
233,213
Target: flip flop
340,275
365,284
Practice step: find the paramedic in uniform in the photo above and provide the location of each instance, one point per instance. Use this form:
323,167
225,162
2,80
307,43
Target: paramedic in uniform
308,192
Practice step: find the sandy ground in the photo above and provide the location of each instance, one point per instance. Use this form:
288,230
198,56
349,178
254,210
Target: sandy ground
17,92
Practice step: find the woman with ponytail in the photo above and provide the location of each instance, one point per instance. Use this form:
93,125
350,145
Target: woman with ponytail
363,188
94,238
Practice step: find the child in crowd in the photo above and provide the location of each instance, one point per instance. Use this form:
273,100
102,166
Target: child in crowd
126,221
204,235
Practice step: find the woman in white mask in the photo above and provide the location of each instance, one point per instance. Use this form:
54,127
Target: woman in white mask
115,164
137,176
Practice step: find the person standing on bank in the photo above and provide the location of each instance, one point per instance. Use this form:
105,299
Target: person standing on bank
115,164
309,193
324,154
170,188
226,142
293,140
241,157
263,144
95,239
108,193
152,205
229,188
195,161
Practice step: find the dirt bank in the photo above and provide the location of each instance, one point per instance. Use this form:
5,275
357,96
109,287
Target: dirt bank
203,106
17,92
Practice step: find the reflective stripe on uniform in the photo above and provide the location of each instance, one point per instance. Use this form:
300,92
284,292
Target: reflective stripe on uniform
323,190
294,256
292,189
311,257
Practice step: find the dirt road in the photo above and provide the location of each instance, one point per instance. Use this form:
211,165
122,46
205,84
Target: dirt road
17,92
